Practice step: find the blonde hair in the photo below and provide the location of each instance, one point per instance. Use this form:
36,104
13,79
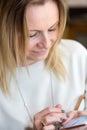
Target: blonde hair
54,59
13,35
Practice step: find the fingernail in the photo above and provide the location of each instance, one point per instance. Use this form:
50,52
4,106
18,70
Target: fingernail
67,115
63,120
57,124
62,111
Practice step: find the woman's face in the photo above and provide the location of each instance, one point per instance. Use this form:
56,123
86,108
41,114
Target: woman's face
42,22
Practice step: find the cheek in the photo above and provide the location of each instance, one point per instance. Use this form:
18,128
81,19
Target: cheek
56,34
54,37
30,45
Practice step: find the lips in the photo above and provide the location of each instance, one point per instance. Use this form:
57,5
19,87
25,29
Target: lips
40,52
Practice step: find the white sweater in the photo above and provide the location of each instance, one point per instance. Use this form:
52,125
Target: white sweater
37,88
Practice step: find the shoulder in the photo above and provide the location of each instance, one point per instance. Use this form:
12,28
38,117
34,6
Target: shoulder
72,47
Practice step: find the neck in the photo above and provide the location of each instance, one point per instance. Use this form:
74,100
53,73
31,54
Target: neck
28,62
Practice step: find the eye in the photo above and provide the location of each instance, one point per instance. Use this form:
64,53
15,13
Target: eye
52,29
33,34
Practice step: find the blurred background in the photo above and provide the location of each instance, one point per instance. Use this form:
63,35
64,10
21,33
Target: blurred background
76,27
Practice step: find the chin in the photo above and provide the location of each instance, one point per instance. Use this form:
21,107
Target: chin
41,58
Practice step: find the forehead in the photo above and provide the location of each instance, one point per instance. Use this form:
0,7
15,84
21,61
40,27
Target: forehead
42,15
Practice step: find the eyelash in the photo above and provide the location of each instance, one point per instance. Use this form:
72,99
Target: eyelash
50,30
33,35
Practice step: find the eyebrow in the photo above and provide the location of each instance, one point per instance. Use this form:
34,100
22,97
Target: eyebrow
54,24
49,28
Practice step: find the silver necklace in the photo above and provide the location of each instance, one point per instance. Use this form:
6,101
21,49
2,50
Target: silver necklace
52,90
28,107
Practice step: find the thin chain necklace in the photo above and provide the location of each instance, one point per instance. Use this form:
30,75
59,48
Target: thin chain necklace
28,107
52,90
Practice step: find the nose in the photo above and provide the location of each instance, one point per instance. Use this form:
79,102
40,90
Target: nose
45,41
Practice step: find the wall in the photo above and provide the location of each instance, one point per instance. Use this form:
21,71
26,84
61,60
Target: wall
79,3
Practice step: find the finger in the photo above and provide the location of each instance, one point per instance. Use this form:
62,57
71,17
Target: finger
54,117
49,127
71,115
81,113
59,106
40,115
47,111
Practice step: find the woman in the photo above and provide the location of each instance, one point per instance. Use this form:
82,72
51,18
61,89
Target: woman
42,76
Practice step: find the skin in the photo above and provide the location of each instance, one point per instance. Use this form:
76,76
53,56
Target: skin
41,35
42,23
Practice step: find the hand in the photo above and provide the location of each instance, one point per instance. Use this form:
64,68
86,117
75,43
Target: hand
74,114
49,116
